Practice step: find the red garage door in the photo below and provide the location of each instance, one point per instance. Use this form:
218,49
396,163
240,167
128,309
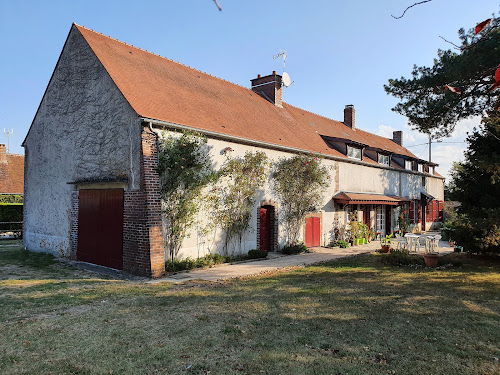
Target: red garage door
313,231
100,227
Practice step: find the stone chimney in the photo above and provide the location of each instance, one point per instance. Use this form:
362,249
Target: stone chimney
3,154
269,87
397,137
349,116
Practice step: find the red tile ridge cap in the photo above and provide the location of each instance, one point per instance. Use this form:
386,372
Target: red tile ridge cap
316,114
155,54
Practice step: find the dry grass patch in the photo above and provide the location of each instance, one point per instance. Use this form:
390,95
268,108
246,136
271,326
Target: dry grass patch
353,316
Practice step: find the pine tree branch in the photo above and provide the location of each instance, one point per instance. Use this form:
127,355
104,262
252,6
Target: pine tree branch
453,44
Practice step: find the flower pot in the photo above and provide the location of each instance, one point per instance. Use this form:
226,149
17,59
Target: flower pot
431,260
365,241
358,241
386,248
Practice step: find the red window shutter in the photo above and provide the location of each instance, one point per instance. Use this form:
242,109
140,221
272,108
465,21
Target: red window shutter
441,216
435,207
412,212
428,212
418,203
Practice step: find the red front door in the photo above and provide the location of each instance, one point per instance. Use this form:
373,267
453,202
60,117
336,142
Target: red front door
313,225
265,229
100,227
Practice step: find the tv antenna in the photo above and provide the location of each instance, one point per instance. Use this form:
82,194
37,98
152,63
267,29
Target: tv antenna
285,78
8,133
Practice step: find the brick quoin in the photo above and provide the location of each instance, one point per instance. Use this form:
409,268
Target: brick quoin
143,250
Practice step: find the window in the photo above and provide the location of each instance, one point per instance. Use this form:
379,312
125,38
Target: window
381,219
354,152
423,181
408,164
383,159
431,170
421,168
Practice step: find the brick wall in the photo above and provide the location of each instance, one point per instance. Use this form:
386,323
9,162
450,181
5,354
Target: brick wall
73,238
273,223
143,249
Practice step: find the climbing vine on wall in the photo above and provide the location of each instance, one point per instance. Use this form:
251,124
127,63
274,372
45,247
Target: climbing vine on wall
185,168
298,182
232,198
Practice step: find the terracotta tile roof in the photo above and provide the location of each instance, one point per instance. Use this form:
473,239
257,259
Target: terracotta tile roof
12,174
162,89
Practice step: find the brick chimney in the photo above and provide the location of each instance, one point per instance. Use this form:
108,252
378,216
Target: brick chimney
397,136
269,87
3,154
349,116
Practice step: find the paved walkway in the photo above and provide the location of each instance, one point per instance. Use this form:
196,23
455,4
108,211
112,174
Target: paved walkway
275,262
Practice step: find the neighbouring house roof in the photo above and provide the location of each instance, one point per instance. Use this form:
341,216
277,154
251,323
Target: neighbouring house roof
362,198
11,172
162,89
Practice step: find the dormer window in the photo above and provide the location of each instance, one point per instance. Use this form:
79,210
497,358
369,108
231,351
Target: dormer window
383,159
408,165
354,152
431,170
420,167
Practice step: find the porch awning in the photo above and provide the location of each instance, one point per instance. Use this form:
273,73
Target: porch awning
362,198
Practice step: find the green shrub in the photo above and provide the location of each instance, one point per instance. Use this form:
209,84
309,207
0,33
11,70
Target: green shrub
177,265
257,254
295,249
189,263
342,244
402,258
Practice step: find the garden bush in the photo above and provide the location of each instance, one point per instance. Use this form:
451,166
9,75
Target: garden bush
295,249
342,244
257,254
189,263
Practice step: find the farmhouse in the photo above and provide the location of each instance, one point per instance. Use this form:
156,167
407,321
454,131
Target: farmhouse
11,192
92,190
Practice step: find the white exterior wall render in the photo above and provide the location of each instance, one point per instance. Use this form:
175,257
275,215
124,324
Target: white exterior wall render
344,176
83,130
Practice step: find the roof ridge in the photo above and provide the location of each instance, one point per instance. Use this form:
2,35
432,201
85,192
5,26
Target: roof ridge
160,56
316,114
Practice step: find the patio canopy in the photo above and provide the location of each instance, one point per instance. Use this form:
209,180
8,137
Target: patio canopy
362,198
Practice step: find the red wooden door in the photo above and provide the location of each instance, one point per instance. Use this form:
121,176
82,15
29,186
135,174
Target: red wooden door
100,227
265,229
313,226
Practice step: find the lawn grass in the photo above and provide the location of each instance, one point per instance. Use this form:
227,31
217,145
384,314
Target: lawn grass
353,316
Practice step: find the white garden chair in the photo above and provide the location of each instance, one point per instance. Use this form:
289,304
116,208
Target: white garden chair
410,241
433,243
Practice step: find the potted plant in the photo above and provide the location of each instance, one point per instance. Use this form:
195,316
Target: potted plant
431,258
385,243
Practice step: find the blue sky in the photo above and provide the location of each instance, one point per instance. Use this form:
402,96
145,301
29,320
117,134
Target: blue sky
339,52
